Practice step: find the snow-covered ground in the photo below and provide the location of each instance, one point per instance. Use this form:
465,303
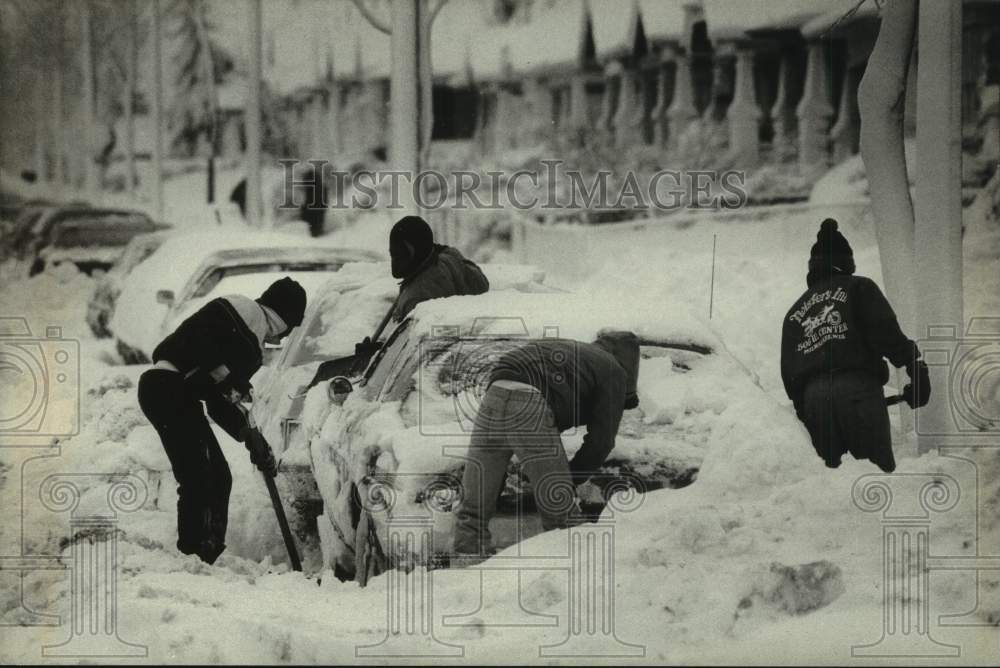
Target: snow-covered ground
767,557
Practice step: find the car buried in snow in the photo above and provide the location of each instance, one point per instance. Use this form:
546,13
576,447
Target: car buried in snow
92,243
402,432
101,305
188,271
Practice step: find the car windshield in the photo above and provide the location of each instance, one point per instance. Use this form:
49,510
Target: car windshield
211,281
96,233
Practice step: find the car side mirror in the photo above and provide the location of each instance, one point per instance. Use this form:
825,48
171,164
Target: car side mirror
165,297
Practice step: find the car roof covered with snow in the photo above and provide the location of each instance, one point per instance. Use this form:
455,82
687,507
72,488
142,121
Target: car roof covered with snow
568,315
138,316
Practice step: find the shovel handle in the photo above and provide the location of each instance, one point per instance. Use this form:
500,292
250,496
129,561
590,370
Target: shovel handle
893,400
286,532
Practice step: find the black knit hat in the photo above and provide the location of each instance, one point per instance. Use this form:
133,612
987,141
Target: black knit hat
286,298
831,253
415,231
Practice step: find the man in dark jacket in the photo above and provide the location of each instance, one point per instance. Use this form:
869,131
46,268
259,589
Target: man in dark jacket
210,358
535,392
428,270
833,343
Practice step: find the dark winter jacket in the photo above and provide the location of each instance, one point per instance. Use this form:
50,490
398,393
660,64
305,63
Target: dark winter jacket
842,322
214,335
583,385
445,273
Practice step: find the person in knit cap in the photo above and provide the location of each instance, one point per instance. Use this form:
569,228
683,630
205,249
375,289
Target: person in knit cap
534,393
209,359
428,270
834,343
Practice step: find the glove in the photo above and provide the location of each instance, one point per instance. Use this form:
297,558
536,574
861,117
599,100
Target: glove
235,391
917,396
367,348
260,452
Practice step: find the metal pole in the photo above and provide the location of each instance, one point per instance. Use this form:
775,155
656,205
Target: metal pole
157,111
938,235
404,94
130,75
252,118
90,184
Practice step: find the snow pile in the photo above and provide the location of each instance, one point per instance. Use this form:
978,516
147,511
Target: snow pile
848,182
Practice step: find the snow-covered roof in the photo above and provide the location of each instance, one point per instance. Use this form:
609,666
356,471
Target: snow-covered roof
732,19
837,9
614,24
552,37
664,19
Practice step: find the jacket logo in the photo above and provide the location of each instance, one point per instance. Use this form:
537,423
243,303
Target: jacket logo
825,325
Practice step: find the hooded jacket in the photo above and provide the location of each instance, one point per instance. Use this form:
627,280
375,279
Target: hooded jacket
840,323
583,384
445,273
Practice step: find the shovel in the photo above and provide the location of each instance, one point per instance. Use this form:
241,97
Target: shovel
352,365
279,509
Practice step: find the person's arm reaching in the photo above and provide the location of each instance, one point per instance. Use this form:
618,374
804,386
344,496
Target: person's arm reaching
606,410
882,328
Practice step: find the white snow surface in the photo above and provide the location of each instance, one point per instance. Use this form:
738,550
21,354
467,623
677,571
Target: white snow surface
712,573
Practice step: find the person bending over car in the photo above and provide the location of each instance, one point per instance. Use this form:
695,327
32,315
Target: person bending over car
833,341
534,393
210,359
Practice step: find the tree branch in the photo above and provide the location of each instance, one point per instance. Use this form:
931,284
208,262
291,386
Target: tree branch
375,21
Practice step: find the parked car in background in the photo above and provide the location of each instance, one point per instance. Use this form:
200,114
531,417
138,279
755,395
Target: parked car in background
92,242
189,270
31,238
101,306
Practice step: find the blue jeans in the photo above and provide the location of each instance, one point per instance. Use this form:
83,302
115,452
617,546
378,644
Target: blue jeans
512,422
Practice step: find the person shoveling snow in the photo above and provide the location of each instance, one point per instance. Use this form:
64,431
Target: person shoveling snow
833,344
210,358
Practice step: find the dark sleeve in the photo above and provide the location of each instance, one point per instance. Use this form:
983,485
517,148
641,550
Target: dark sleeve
475,280
881,327
606,409
227,415
789,377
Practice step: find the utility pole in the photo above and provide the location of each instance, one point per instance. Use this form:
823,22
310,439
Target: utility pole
251,115
157,111
90,185
131,58
404,93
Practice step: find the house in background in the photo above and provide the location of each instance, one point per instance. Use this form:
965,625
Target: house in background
757,82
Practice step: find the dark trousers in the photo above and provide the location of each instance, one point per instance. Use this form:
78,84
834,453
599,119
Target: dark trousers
201,471
845,412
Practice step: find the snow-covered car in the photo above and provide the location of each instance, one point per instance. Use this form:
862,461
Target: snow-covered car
408,422
94,242
31,238
188,271
347,308
101,305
